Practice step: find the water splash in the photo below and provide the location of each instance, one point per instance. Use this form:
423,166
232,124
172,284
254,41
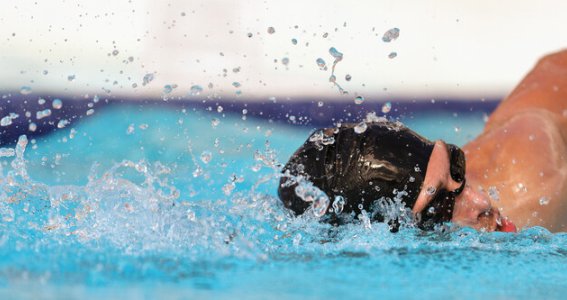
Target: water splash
338,205
310,193
361,127
320,139
338,56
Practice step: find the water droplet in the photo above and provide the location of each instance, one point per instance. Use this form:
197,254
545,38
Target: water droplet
168,88
144,126
219,109
294,41
320,104
62,123
43,114
90,112
391,35
71,77
215,122
493,193
236,84
32,127
335,53
348,77
25,90
114,52
41,101
57,104
191,215
543,201
320,205
412,179
148,78
386,107
431,210
520,188
325,35
431,190
360,127
197,172
7,152
332,78
228,188
392,55
130,129
285,61
249,34
321,64
359,100
195,90
271,30
6,121
338,204
206,156
45,72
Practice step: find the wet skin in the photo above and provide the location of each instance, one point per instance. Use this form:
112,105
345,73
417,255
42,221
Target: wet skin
522,152
472,208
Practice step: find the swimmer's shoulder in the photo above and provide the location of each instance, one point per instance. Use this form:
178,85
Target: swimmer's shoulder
534,132
525,158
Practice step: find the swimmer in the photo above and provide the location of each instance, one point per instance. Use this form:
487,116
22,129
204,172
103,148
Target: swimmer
513,174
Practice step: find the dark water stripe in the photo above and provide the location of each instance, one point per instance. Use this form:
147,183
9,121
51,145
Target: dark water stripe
297,112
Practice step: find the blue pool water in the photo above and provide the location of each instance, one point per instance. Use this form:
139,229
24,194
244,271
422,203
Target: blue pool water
167,203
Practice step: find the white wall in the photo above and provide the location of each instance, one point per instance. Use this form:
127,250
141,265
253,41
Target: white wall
445,48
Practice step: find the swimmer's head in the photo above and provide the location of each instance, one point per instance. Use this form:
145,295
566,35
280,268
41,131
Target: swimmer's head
384,161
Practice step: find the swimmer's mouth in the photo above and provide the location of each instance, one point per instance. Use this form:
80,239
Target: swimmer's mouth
505,225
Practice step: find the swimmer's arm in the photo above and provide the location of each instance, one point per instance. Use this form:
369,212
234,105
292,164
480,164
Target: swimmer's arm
544,88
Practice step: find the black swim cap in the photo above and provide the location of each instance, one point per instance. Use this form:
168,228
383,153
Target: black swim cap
364,166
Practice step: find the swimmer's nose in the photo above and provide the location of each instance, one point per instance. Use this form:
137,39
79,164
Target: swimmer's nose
474,209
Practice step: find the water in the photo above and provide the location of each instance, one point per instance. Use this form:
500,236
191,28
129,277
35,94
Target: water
161,202
391,35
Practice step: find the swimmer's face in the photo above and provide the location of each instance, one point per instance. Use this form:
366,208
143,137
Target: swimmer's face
470,208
